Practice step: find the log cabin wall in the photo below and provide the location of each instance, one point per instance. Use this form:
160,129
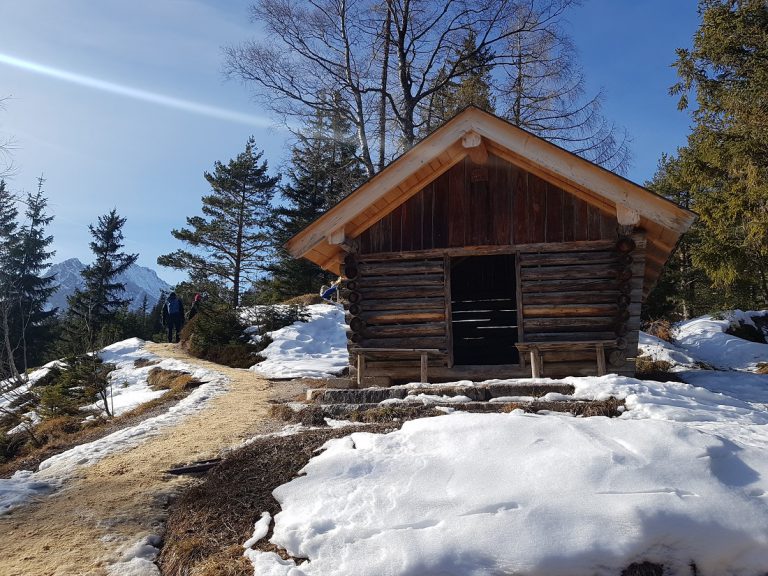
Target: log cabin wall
573,283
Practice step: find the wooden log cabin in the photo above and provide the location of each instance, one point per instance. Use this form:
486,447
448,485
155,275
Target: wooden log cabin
484,248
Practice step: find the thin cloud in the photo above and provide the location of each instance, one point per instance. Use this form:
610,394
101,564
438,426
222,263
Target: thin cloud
134,93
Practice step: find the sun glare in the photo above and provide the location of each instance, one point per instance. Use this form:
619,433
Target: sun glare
134,93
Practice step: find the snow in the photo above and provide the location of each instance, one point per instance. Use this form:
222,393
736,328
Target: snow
681,476
704,340
313,349
138,559
54,471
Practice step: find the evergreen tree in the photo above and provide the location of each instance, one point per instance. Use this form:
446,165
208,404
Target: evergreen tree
96,305
324,169
30,325
231,240
726,159
683,290
472,86
8,242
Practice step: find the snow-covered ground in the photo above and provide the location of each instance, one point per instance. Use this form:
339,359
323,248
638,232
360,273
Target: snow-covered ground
313,349
680,477
130,389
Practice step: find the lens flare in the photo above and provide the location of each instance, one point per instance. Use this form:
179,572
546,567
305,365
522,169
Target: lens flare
134,93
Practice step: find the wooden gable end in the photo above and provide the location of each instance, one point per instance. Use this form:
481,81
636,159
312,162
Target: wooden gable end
498,204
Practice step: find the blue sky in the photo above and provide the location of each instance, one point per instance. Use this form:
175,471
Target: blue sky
132,106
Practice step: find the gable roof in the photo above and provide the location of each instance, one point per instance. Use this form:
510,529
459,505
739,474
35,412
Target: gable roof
663,220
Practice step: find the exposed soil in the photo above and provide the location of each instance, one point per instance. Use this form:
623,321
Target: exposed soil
108,507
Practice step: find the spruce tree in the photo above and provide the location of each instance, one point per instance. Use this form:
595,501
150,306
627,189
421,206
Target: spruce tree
229,243
92,308
30,325
324,169
726,159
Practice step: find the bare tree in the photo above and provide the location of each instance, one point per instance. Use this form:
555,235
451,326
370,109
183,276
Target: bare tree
542,89
387,59
7,144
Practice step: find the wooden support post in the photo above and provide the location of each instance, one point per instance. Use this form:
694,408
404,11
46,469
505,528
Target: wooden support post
424,365
535,363
360,369
600,359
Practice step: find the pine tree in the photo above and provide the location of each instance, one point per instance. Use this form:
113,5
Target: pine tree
30,324
727,151
92,308
324,169
231,240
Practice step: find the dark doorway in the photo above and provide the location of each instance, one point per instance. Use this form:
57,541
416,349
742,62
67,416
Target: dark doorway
484,310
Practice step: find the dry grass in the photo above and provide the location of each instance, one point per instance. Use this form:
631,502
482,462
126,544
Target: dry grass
306,300
208,524
762,368
55,435
660,328
647,368
143,362
608,408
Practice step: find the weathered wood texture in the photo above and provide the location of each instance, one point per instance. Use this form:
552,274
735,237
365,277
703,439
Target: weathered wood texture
511,207
592,294
573,291
398,304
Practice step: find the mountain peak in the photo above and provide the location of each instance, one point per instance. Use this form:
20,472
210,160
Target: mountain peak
139,281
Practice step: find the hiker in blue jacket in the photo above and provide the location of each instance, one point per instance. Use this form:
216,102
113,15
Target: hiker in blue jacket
173,314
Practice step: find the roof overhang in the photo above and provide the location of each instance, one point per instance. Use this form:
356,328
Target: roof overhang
325,240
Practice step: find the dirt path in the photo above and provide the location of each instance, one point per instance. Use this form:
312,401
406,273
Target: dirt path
110,506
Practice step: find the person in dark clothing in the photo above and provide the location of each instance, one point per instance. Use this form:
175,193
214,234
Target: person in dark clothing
195,306
173,313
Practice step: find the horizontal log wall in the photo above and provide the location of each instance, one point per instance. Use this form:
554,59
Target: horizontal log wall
575,291
494,205
589,294
397,304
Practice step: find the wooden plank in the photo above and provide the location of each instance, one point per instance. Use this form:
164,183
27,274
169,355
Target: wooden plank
569,272
568,203
397,229
386,267
405,331
519,302
501,203
403,317
480,215
567,324
580,220
437,342
404,304
574,336
554,223
576,246
593,217
427,217
537,205
394,281
567,258
405,292
570,310
458,208
570,285
440,219
520,214
560,298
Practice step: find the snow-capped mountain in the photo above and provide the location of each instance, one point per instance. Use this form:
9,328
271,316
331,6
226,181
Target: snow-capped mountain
138,280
